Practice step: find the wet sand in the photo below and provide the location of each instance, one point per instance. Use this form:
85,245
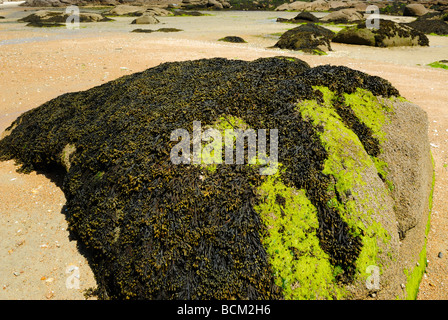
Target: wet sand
40,64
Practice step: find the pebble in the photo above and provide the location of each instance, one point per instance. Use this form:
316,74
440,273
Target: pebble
50,295
440,255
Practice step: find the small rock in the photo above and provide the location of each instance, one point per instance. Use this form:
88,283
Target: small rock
403,286
440,255
16,273
50,295
146,19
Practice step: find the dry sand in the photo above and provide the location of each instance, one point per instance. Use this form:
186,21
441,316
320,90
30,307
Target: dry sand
37,257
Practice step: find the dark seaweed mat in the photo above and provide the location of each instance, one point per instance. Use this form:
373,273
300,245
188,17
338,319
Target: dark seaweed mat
233,39
307,36
439,27
155,230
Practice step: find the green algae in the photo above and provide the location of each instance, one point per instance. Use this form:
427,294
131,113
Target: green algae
438,64
301,268
347,160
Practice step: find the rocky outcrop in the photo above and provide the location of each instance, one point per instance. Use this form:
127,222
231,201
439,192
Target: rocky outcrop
308,38
318,5
48,17
352,176
415,10
205,4
126,10
358,36
233,39
146,18
431,24
131,11
321,5
343,16
158,30
302,17
390,34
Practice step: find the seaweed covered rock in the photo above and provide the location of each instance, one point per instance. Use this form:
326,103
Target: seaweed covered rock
357,36
389,34
233,39
349,181
302,17
158,30
430,26
309,38
49,17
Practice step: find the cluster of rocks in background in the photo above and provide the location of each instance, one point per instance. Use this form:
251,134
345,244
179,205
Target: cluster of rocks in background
406,8
428,21
46,18
206,4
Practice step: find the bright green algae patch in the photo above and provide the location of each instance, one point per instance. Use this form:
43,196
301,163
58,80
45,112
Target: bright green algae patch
347,161
301,268
374,114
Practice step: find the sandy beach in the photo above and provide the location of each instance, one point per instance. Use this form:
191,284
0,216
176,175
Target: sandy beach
39,260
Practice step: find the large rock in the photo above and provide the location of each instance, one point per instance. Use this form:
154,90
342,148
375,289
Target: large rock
309,38
215,4
415,10
300,18
159,12
233,39
430,26
126,10
351,174
146,19
46,16
390,34
204,4
355,36
343,16
318,5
